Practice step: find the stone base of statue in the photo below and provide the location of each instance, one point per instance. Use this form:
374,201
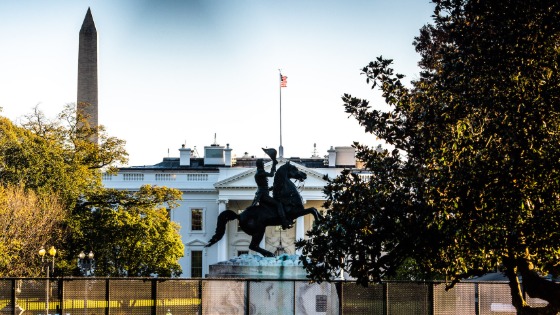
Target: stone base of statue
283,267
235,293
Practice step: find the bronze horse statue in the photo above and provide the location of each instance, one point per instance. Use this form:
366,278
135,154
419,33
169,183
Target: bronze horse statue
255,219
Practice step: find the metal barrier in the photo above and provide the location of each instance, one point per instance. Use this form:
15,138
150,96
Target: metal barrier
175,296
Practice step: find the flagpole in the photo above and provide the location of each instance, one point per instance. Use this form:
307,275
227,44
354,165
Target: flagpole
281,148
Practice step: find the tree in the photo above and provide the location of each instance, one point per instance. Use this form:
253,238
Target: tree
57,155
56,158
131,232
57,161
473,183
26,221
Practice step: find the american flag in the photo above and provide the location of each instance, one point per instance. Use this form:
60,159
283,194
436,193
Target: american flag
283,81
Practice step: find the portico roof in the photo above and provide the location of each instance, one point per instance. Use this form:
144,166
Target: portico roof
245,180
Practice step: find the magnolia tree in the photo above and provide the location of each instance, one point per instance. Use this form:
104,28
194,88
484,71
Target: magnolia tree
473,183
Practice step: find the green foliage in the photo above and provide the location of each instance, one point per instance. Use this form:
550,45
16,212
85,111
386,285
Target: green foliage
32,160
473,183
56,155
61,161
130,232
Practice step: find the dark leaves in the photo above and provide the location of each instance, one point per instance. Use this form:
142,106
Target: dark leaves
474,179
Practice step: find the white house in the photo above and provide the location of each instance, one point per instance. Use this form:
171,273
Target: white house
217,182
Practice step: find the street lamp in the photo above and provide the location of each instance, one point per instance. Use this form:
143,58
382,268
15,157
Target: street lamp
86,264
45,261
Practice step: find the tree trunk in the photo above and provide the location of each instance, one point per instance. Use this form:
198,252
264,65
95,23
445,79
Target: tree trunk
534,285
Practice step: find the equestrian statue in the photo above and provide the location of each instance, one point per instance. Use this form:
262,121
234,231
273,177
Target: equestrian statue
282,208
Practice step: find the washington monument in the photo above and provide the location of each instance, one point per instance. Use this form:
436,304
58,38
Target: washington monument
87,71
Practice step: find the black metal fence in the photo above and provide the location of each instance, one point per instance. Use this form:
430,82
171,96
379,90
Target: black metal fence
174,296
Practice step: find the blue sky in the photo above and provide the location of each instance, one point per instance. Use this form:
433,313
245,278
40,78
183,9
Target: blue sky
179,72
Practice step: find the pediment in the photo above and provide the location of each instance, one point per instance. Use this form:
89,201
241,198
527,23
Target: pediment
196,242
246,179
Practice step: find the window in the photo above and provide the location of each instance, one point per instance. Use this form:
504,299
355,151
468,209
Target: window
165,177
242,252
133,177
197,177
196,264
196,220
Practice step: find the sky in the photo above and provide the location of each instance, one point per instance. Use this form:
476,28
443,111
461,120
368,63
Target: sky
198,72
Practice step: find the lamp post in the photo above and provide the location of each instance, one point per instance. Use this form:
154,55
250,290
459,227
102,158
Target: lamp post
86,264
46,263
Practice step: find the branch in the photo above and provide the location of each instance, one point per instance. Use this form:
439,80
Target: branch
538,287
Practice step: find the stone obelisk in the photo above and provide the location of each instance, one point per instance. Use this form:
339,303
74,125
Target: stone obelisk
87,71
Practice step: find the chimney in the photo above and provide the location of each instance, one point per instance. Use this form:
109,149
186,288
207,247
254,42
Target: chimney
345,157
227,154
332,157
184,156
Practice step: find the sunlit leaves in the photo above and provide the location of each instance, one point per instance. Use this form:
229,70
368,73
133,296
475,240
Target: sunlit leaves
27,221
57,158
131,232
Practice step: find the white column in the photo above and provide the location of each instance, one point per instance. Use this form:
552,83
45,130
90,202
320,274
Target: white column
223,244
300,228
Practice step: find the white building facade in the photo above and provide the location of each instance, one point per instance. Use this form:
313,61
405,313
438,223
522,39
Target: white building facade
218,181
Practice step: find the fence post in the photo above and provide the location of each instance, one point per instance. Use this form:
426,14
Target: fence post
247,297
294,286
13,296
385,298
154,296
107,296
200,296
339,287
476,299
61,294
431,303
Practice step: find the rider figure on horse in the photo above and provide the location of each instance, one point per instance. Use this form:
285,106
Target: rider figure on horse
262,195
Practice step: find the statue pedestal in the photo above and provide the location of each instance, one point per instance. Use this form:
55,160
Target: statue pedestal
269,296
256,267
